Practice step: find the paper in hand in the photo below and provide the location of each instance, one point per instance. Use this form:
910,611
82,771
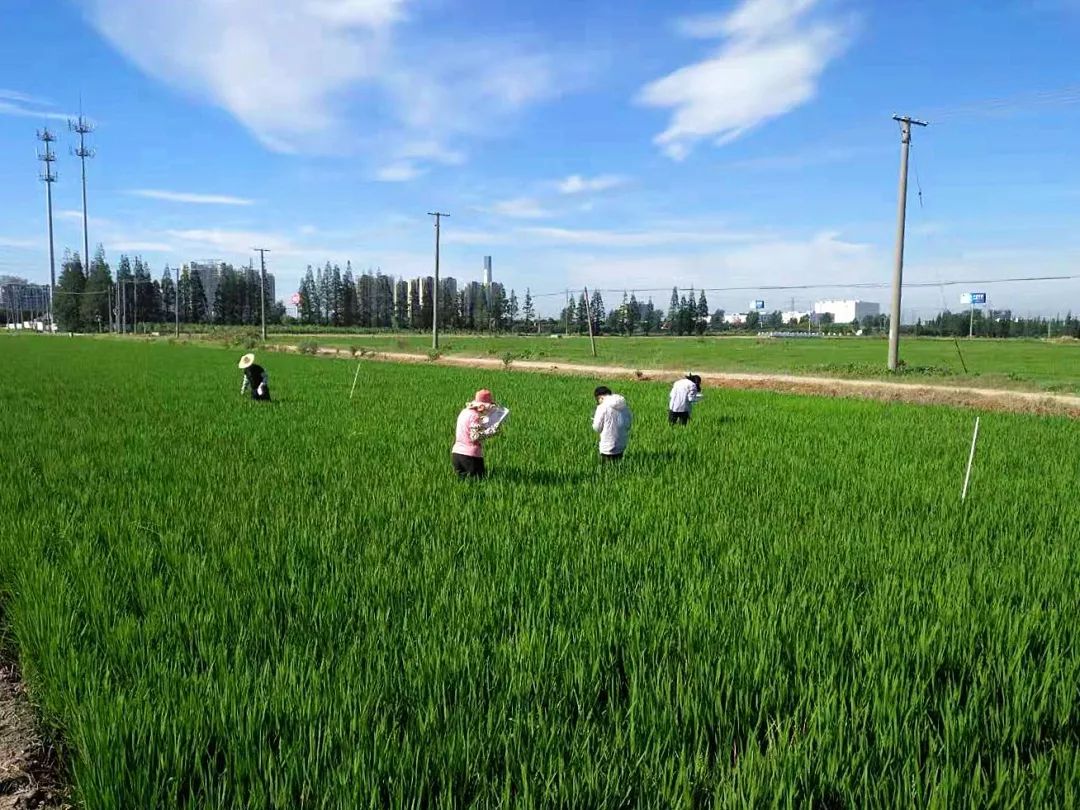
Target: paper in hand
494,418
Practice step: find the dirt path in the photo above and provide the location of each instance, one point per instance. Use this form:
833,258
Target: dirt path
28,768
958,396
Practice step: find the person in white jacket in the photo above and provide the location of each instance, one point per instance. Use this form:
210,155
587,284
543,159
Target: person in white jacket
684,393
612,421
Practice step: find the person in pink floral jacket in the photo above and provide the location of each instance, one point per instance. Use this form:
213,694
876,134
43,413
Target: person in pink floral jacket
472,429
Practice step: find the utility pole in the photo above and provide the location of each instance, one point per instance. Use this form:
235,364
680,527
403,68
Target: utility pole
588,315
262,287
83,128
435,287
48,177
901,216
176,301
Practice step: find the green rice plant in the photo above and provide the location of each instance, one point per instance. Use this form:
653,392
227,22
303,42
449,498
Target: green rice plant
221,603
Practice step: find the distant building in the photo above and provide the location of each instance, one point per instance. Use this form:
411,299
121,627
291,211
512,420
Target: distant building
847,311
271,287
793,315
209,273
735,318
21,300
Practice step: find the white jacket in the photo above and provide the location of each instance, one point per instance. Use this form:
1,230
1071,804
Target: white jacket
612,421
683,396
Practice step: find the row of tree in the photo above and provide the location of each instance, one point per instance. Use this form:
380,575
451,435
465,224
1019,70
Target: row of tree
998,323
93,299
687,315
332,297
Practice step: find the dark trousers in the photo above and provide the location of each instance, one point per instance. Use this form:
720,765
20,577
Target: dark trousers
605,458
263,397
468,466
675,418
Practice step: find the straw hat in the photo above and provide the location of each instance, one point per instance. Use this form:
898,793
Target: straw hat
247,360
483,399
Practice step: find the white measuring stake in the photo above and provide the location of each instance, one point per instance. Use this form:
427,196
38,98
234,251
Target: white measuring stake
971,460
354,379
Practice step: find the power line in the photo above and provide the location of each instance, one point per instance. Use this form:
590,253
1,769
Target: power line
859,285
1005,105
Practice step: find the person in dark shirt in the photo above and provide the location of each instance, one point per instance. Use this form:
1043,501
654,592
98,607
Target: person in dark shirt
255,378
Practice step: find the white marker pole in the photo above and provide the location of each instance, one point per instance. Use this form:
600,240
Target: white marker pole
971,460
354,379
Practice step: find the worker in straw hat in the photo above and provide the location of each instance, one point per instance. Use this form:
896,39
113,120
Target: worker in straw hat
480,419
255,378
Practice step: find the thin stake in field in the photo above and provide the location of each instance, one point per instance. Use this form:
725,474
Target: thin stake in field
354,379
971,460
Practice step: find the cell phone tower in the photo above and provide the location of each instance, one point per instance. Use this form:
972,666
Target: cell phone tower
48,177
83,128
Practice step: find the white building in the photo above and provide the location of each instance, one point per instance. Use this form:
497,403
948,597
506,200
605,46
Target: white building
793,315
847,311
735,318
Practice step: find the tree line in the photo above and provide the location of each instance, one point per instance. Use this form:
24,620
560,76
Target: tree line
90,299
332,297
687,314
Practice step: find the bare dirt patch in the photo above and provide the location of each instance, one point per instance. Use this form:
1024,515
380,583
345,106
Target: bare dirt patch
29,768
986,399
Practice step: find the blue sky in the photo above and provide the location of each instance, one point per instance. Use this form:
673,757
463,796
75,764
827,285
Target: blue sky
623,145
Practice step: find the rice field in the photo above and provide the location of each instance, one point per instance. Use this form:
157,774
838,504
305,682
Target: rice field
1020,364
218,603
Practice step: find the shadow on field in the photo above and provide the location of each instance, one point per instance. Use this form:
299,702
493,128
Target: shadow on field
543,477
651,456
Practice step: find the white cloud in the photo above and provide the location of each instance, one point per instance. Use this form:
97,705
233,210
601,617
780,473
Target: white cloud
279,66
136,246
400,172
637,239
22,98
769,63
825,257
372,13
795,161
295,73
186,197
431,150
576,184
20,244
230,241
22,105
520,208
467,237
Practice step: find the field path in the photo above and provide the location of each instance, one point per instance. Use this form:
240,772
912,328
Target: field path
989,399
28,768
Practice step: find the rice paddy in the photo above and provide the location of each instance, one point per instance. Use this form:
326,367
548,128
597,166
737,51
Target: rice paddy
219,603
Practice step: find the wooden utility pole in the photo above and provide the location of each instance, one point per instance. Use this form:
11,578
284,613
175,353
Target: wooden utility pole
176,301
435,287
588,317
901,216
262,287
